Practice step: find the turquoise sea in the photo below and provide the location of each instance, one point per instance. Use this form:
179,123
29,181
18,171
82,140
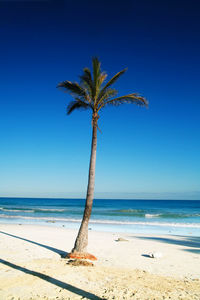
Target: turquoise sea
180,217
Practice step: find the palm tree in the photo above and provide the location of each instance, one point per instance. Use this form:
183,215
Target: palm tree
94,94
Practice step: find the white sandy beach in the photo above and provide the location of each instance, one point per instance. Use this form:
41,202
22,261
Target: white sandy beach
32,266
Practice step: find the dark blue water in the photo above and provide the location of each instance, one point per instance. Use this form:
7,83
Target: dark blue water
142,216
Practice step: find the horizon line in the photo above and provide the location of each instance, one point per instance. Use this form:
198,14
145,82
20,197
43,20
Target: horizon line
77,198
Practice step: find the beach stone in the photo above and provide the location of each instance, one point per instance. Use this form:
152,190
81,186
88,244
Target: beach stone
121,240
155,254
78,255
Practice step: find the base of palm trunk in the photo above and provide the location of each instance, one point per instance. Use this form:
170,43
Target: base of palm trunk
81,255
80,262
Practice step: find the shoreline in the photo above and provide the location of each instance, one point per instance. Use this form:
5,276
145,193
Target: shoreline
39,249
153,228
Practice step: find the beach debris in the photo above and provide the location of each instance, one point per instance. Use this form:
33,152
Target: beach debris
77,263
78,255
155,254
121,240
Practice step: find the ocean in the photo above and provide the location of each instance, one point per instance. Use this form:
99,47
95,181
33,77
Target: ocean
179,217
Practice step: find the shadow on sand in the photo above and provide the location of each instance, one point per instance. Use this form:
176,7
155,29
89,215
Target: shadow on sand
192,242
63,254
52,280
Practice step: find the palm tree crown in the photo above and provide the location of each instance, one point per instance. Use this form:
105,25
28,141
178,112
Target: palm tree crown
93,93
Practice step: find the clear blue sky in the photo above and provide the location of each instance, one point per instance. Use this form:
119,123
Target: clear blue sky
142,153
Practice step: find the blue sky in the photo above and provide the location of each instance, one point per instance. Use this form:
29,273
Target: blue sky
142,153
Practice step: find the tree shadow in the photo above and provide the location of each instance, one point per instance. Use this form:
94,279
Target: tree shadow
187,241
52,280
63,254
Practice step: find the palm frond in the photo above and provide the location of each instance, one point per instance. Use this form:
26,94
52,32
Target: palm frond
96,75
73,88
86,81
127,99
111,82
102,78
99,83
96,68
78,104
108,94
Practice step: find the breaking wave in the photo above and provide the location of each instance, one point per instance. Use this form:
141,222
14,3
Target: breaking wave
146,214
111,222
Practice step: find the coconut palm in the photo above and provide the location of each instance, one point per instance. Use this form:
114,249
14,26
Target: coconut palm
94,94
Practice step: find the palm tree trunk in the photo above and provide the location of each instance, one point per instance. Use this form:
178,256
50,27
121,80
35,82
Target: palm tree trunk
82,237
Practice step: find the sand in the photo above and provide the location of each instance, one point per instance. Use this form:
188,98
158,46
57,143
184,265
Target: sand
32,265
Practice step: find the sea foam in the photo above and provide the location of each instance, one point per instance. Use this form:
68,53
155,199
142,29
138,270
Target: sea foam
106,222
